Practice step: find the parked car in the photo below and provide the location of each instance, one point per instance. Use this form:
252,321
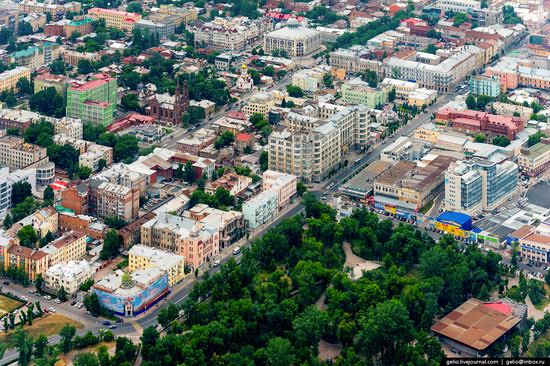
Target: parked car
237,250
57,301
119,320
52,310
216,263
73,303
6,283
106,322
47,297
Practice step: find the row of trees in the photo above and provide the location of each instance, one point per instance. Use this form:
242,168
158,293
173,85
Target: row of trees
125,147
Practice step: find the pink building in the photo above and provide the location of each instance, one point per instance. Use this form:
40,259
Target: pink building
476,121
198,244
284,184
507,71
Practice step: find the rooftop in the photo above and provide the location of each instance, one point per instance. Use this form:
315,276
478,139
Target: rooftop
478,324
158,257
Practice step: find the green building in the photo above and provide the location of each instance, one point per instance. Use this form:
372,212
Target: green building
94,101
358,92
485,85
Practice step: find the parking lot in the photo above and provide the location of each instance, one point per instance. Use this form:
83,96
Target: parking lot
539,195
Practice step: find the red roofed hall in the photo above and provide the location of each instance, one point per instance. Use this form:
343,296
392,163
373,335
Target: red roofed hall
475,326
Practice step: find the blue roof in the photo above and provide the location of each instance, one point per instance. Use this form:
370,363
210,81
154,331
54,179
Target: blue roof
477,230
462,220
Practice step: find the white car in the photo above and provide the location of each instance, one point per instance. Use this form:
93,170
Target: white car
57,301
237,250
51,310
47,297
216,263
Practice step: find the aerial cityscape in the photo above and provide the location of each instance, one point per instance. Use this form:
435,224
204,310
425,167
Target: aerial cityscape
274,182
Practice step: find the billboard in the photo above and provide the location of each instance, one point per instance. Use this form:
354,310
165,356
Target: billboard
451,229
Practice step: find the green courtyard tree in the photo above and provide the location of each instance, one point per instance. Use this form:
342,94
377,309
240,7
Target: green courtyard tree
67,334
111,245
62,294
27,236
48,196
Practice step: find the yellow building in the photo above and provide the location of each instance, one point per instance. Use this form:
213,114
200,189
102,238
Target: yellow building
260,103
422,97
186,15
115,18
9,78
69,247
141,257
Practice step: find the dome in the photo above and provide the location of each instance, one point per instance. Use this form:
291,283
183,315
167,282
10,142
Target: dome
244,66
292,22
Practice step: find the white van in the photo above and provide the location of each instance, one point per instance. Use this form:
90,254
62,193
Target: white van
237,250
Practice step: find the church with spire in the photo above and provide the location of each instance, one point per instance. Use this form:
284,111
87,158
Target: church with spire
167,108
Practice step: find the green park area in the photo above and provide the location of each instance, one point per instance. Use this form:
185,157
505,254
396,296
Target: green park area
8,304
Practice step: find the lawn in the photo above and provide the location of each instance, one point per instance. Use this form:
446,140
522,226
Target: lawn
48,325
7,304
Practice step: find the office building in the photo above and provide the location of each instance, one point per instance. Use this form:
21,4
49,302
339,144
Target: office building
534,242
260,209
483,85
163,29
9,78
8,179
115,18
142,257
185,14
260,103
93,101
310,80
295,39
134,295
357,91
83,27
477,185
535,160
432,71
70,275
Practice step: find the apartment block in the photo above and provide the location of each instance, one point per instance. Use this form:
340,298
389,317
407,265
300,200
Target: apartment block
35,56
45,81
69,275
72,57
75,198
229,224
114,18
535,160
69,221
20,119
17,154
260,209
70,246
43,221
9,78
194,240
355,60
479,185
113,200
33,261
67,126
57,11
83,27
509,109
9,19
236,184
198,141
311,143
131,233
36,21
284,184
142,257
483,85
93,101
